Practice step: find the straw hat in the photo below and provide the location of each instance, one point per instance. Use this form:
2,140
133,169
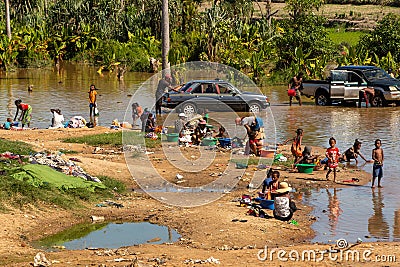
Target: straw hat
283,188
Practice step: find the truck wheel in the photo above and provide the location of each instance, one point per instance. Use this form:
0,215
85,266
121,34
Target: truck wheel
189,108
254,107
322,99
378,101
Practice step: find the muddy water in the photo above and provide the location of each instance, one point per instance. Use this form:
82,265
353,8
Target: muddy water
353,212
109,235
67,90
348,213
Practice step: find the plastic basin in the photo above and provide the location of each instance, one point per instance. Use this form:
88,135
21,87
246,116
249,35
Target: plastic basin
266,203
224,142
172,137
305,168
209,142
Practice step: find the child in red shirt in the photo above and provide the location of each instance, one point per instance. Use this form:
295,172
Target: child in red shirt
332,154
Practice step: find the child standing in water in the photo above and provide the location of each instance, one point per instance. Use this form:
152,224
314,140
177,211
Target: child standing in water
377,157
332,153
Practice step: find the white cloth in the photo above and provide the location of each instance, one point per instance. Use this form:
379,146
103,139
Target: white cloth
58,120
248,120
282,208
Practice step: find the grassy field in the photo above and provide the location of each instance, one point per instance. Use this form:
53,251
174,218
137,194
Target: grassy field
339,35
19,193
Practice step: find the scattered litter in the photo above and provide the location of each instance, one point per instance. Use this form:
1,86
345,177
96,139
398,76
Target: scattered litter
262,167
156,239
211,260
149,152
241,165
97,218
75,159
58,247
178,176
123,259
40,260
9,155
294,222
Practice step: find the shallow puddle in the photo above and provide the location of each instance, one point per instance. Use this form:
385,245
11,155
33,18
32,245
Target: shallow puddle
108,235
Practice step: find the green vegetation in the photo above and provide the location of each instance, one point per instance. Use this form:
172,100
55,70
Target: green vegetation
341,36
116,139
15,147
19,193
123,35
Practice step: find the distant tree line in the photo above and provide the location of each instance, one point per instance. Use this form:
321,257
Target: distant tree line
123,35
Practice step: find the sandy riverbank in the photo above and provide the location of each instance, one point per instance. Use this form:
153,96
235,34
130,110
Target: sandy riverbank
206,230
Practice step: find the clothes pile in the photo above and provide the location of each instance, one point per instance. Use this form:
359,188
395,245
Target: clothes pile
76,122
65,166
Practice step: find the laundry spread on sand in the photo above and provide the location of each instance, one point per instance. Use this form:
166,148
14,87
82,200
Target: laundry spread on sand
65,166
40,175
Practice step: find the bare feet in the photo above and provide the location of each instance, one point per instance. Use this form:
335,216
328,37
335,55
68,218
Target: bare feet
379,186
373,187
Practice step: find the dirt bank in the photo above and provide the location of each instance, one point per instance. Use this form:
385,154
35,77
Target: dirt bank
207,230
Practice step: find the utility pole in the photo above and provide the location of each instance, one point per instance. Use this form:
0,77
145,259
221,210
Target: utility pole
165,34
8,24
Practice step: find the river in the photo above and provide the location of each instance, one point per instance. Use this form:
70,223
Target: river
349,213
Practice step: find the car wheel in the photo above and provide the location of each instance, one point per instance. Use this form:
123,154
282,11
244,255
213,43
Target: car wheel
378,101
189,108
254,107
322,99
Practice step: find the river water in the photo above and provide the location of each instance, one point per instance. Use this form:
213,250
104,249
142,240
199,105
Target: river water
349,213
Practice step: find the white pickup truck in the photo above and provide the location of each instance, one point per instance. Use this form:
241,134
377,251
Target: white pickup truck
345,83
341,86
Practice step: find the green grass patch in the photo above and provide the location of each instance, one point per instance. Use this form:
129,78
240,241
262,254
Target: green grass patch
15,147
340,36
115,139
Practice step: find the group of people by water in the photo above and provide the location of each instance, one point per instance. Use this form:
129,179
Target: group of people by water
57,121
333,156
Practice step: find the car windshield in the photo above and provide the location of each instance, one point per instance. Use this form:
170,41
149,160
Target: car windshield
376,74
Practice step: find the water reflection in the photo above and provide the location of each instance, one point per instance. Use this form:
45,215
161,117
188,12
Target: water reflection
377,226
334,209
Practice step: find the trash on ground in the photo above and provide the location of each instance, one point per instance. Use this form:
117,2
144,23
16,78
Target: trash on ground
40,260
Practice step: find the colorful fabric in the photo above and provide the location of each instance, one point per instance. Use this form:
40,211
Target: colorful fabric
92,96
26,119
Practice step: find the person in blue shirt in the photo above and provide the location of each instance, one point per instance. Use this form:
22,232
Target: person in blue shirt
267,180
8,124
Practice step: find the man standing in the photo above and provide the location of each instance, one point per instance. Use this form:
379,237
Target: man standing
163,84
92,100
295,85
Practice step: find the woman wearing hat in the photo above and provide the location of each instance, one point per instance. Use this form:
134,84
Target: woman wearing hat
180,123
284,206
200,132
